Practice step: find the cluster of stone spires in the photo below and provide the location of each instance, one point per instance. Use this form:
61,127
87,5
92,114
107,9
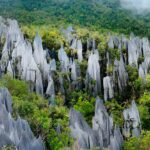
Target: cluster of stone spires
104,133
36,66
20,60
15,133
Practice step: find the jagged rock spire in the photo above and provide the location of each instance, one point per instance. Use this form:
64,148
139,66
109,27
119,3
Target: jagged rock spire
108,88
15,132
93,71
121,73
80,130
101,136
64,60
132,125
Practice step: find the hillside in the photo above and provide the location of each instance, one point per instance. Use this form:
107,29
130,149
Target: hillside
74,88
69,78
95,14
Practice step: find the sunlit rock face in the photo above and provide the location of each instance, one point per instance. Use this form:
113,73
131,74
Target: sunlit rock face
15,132
108,88
27,68
32,63
111,43
21,61
76,45
53,65
2,27
73,67
80,130
134,50
146,47
132,125
103,135
9,69
93,73
74,74
143,70
13,32
79,50
116,140
64,60
115,42
5,100
120,74
40,57
144,66
68,33
103,124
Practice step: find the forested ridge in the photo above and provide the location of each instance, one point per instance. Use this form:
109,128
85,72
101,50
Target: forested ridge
95,14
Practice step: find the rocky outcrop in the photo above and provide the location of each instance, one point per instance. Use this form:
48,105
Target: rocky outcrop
102,135
15,133
132,125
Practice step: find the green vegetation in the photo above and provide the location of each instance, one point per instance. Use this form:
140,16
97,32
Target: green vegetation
8,148
144,108
143,92
43,119
141,143
96,15
115,109
52,122
52,37
91,19
86,105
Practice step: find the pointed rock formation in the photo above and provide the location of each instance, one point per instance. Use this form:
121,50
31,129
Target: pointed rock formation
108,88
132,125
15,132
93,72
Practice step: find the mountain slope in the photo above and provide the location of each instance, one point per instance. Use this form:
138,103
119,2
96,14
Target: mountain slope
95,14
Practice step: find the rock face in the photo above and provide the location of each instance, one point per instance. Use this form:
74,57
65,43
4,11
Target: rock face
75,74
108,88
80,130
102,123
111,43
51,89
132,123
93,72
64,60
79,50
120,74
103,134
21,61
15,132
134,51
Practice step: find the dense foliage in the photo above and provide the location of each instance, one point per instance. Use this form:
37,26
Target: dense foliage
95,14
50,122
91,18
141,143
